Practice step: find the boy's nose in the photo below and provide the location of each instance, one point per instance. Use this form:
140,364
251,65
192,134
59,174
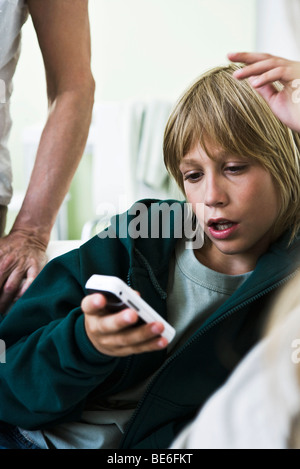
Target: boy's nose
215,192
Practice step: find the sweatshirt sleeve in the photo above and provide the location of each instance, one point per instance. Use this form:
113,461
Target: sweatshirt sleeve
50,365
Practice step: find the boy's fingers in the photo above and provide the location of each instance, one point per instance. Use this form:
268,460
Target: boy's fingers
95,305
92,304
112,334
111,323
132,337
134,341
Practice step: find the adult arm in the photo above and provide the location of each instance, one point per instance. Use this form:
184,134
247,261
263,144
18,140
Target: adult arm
62,28
263,70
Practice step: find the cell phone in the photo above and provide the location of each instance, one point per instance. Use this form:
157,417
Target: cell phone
120,296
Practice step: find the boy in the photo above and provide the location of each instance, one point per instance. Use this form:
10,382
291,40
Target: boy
263,391
78,377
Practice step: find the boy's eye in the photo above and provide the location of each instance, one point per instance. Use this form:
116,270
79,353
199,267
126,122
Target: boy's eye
236,169
193,177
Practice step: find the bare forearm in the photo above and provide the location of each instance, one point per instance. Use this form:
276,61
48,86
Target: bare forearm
60,150
62,28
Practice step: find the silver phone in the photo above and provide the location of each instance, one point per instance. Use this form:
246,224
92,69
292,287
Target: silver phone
120,296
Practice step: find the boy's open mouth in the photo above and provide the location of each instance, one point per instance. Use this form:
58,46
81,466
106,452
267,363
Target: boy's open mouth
221,228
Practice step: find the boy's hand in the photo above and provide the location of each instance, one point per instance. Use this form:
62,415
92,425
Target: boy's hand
263,70
112,334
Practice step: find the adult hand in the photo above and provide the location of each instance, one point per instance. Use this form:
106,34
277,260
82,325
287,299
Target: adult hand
263,70
63,33
113,335
21,259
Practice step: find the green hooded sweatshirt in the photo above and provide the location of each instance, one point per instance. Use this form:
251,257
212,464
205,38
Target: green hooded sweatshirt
52,368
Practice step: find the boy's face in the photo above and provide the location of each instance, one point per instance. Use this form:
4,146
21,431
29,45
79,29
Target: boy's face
240,207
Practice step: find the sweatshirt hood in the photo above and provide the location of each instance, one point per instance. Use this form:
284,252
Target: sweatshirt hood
149,231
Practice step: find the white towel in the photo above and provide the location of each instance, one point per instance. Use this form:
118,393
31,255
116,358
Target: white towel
117,130
151,170
128,158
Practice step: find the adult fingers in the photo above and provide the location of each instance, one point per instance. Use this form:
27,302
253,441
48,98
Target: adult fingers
248,57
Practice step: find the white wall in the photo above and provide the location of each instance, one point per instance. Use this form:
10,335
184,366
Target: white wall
278,29
156,47
140,49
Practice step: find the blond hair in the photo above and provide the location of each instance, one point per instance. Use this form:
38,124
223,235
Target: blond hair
229,113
